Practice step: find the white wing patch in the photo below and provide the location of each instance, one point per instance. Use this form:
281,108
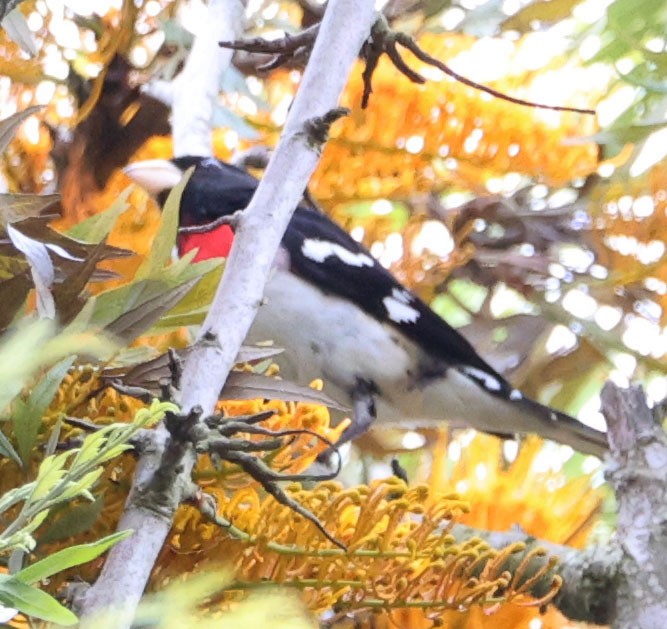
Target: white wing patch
398,307
486,379
320,250
516,395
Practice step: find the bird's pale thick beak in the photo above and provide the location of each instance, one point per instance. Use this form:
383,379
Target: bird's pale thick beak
154,175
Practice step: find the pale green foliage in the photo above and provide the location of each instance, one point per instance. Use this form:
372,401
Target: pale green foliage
60,478
70,475
176,606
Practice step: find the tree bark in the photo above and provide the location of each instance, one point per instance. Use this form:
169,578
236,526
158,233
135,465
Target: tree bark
153,501
638,474
622,583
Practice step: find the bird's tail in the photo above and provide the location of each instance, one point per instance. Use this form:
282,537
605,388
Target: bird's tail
564,429
464,403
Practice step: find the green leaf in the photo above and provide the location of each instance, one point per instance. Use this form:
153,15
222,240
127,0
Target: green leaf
7,450
16,207
242,385
97,227
140,319
9,126
28,415
165,239
82,486
68,521
69,557
33,602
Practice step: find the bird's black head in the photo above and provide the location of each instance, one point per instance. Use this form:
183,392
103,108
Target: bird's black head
213,190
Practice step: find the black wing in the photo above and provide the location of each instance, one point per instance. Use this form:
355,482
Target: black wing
325,255
367,283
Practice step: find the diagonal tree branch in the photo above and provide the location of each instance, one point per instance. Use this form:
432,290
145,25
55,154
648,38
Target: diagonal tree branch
345,26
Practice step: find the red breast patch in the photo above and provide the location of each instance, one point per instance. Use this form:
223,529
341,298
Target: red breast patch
213,244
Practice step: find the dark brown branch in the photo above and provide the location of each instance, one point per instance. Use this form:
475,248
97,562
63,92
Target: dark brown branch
285,49
384,40
412,46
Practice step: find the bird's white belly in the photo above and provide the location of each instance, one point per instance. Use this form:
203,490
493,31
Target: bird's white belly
324,337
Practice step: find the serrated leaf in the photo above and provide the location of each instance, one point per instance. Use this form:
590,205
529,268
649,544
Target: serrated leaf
16,27
33,602
68,558
28,415
41,269
141,318
165,239
97,227
51,471
91,445
17,207
9,126
250,386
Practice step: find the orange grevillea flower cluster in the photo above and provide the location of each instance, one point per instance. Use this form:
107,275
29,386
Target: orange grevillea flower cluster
401,552
544,503
416,138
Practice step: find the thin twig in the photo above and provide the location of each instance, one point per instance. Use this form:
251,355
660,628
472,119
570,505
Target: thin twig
412,46
228,219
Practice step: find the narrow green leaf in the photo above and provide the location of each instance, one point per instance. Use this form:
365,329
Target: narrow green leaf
27,418
97,227
69,557
81,487
33,602
165,239
16,495
7,450
141,318
68,520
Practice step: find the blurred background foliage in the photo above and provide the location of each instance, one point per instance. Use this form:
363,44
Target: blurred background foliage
538,233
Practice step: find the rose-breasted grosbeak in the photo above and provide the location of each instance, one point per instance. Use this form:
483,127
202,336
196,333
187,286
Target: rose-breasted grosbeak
343,317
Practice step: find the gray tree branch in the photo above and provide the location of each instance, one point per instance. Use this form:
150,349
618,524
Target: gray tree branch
623,583
148,512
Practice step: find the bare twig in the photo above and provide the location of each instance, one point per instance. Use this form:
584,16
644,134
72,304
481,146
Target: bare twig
229,219
284,45
383,40
288,48
412,46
